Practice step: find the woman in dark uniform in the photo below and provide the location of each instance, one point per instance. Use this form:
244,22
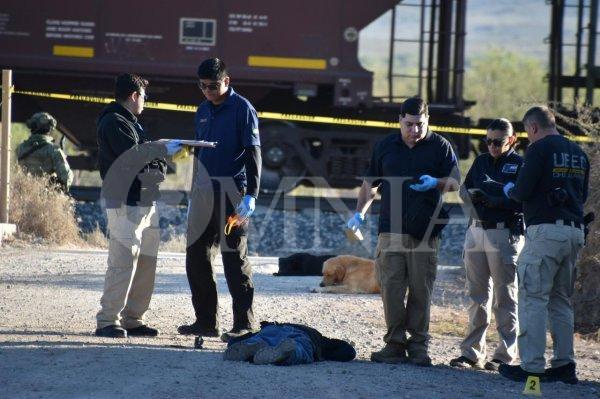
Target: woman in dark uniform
492,244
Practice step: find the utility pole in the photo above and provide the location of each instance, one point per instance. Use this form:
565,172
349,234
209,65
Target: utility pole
5,228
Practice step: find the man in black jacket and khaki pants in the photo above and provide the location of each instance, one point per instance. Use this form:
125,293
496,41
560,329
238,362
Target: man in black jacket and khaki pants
131,168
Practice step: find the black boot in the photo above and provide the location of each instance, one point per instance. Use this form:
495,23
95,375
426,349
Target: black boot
112,331
196,329
142,331
516,373
565,373
493,364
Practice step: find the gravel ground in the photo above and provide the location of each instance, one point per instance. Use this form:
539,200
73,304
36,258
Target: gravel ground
48,300
307,230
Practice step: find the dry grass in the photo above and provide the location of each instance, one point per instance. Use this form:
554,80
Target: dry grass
39,210
586,298
449,321
594,337
175,244
455,322
96,239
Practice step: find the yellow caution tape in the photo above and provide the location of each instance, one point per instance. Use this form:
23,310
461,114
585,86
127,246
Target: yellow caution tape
286,117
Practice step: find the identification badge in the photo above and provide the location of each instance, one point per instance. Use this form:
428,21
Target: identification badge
510,168
203,120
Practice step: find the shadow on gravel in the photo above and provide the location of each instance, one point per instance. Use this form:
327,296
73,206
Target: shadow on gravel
77,369
77,345
38,333
445,289
172,284
103,371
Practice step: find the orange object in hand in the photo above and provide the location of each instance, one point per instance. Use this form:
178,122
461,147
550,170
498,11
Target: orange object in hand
232,222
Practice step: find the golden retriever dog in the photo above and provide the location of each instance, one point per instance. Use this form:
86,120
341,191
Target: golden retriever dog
349,274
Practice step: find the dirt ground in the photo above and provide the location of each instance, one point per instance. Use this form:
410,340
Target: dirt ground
49,297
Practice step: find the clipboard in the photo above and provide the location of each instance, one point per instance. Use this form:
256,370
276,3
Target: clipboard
194,143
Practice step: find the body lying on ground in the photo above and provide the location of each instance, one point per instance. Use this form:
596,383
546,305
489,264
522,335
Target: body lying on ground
287,344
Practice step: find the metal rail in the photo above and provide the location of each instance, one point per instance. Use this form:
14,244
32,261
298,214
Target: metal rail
289,203
586,74
281,202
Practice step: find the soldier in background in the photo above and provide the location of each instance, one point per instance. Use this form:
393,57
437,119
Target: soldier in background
38,154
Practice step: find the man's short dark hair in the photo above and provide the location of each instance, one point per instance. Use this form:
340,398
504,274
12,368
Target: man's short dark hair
501,124
212,69
414,106
541,115
128,83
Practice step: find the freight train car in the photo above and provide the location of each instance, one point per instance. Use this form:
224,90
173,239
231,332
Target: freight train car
287,57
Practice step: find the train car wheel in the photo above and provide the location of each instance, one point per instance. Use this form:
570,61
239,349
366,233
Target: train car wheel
282,168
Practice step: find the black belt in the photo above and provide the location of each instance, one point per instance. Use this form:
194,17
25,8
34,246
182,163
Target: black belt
489,225
561,222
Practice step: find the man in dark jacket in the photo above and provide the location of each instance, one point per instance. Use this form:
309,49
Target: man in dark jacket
131,168
553,187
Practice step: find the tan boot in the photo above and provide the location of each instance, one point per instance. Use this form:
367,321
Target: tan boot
391,353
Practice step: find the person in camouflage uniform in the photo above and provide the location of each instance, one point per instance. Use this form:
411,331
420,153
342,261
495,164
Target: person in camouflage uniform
38,154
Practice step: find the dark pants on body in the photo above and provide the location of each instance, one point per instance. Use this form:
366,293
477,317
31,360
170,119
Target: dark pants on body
206,222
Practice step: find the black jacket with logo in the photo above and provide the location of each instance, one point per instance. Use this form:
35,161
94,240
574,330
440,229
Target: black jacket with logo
485,174
553,182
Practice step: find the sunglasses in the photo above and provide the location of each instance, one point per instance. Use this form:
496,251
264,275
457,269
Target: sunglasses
210,86
145,96
495,142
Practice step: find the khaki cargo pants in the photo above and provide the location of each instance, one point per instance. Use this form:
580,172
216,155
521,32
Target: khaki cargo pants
546,269
134,236
400,265
490,262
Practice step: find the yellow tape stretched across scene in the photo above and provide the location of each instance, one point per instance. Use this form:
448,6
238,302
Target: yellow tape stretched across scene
281,116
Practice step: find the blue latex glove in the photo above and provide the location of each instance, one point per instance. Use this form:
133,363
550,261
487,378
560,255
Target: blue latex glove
246,207
355,221
173,146
427,183
508,188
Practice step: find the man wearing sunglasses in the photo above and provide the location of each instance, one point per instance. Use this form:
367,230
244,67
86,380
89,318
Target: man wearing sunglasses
492,243
553,187
226,183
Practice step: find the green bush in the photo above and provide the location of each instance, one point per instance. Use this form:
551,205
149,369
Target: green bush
504,84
